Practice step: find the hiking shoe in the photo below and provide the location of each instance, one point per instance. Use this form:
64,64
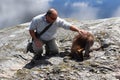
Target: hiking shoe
30,65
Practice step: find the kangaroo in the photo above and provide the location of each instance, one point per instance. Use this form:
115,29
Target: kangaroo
81,43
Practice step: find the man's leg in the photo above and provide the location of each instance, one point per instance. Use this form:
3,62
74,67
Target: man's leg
51,48
38,51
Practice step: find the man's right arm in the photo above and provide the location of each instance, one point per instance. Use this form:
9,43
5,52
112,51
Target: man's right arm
32,33
32,28
36,40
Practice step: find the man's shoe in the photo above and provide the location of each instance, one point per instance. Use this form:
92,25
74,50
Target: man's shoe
30,65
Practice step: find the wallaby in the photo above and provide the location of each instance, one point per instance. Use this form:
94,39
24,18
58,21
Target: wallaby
81,43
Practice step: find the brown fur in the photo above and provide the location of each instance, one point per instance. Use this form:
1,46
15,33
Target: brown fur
80,43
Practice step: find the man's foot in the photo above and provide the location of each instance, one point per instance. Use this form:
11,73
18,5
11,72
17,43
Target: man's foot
30,65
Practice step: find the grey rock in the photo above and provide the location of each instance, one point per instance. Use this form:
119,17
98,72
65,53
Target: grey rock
104,64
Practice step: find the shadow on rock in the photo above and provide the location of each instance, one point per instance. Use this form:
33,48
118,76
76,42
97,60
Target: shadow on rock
34,63
64,54
66,57
117,76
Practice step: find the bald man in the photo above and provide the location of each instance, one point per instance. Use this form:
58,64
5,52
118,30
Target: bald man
38,23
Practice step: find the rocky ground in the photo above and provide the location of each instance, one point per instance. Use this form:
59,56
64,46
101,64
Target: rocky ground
103,64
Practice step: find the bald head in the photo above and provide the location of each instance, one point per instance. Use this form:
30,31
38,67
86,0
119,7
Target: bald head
51,15
52,12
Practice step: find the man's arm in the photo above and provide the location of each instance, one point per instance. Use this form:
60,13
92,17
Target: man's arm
80,31
36,40
32,33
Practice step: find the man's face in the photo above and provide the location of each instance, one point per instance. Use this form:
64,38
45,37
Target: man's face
51,18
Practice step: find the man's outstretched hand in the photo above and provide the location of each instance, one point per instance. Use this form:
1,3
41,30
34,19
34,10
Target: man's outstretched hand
82,32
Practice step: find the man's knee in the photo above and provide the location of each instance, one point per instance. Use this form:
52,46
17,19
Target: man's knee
51,47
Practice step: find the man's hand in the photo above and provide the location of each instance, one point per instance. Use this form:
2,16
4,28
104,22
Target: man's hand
38,43
82,32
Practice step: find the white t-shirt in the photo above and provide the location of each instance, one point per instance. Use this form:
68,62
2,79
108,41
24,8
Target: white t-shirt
38,23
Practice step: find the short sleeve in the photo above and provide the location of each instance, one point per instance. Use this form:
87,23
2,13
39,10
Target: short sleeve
63,23
33,24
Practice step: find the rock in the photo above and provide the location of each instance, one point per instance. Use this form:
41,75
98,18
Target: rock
104,64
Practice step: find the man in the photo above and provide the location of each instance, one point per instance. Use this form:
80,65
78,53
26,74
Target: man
39,23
